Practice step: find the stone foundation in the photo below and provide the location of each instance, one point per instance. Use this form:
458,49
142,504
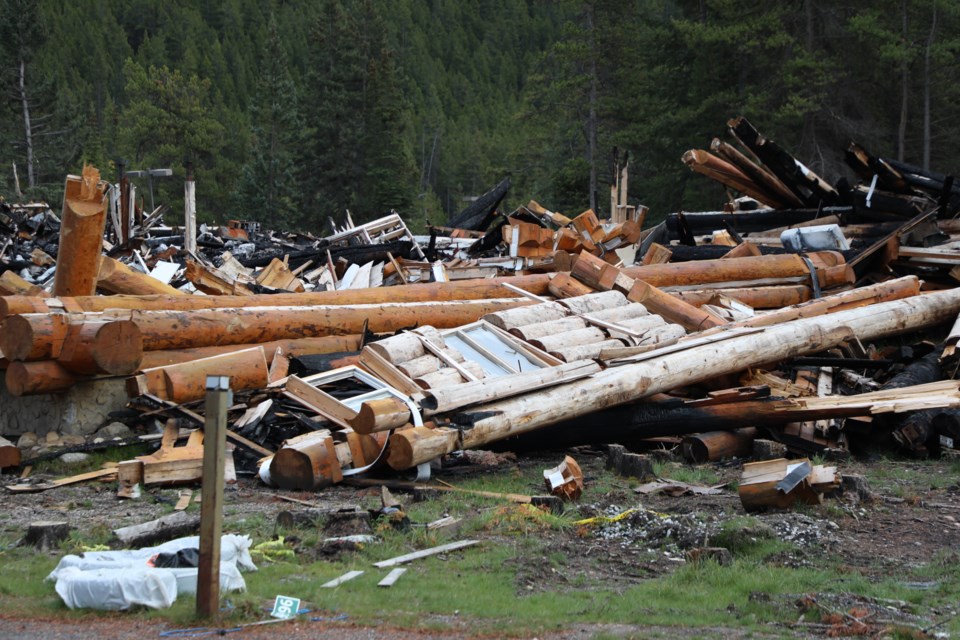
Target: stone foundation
80,411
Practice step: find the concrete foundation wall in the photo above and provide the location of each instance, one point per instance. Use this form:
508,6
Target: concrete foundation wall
80,411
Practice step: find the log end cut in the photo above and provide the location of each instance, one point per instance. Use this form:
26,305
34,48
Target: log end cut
32,378
117,347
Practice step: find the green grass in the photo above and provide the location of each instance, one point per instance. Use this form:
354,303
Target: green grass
96,460
483,590
691,474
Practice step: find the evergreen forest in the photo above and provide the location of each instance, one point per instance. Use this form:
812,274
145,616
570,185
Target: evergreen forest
292,112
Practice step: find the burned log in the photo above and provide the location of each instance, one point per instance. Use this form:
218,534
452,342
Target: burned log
749,221
478,215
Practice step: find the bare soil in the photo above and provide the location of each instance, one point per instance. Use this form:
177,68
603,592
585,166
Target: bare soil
872,536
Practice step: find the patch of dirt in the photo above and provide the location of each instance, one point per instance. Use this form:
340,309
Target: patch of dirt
878,538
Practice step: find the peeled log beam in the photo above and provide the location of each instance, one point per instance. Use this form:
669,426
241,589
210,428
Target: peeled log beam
652,419
116,277
86,347
83,218
831,268
513,318
112,347
407,346
478,289
186,381
33,337
760,175
730,175
565,286
206,327
419,443
596,304
450,398
890,290
676,311
9,454
12,284
307,463
766,297
660,275
627,383
380,415
539,329
586,351
34,378
576,338
630,311
293,348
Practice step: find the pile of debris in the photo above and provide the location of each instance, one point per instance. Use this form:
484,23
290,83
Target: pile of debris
373,348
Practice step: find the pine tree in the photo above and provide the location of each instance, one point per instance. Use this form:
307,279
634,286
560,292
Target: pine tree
267,189
329,159
387,162
21,34
172,119
356,155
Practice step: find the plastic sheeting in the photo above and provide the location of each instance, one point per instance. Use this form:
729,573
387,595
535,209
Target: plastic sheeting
115,580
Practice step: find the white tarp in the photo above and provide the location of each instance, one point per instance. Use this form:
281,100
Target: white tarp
120,579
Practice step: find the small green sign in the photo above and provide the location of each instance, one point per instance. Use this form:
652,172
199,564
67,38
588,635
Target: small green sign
285,607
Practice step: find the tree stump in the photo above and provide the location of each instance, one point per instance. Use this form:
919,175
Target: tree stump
46,534
347,523
629,464
768,449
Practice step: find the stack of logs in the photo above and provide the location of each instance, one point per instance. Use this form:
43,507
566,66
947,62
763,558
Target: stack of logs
50,343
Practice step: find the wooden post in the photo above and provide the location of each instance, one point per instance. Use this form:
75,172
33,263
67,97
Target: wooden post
84,216
219,397
190,212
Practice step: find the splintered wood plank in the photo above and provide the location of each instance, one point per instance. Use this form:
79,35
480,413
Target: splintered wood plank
392,577
425,553
321,402
82,477
336,582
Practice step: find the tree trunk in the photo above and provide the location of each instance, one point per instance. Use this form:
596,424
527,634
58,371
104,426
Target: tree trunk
592,124
927,83
904,87
27,128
